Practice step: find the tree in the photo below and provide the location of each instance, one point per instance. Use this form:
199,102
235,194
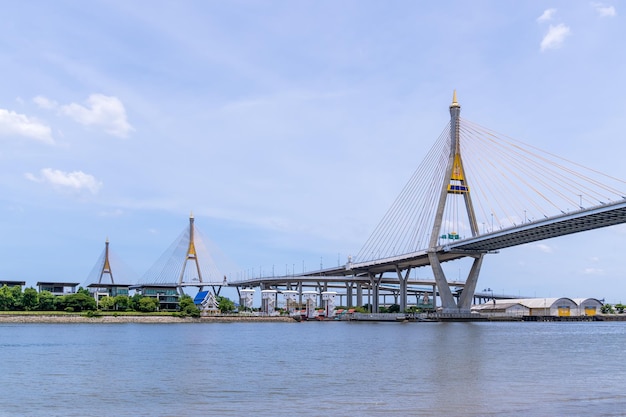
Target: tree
607,309
225,305
394,308
413,309
16,290
58,302
106,303
46,301
185,301
122,302
30,299
134,301
187,306
82,290
77,302
147,304
6,298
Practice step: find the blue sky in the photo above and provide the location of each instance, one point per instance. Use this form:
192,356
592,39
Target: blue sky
288,128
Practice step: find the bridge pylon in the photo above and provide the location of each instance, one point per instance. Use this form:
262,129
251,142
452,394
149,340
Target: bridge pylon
106,266
455,185
190,256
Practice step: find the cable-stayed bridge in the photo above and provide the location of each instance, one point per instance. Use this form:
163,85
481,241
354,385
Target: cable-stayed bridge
190,261
476,192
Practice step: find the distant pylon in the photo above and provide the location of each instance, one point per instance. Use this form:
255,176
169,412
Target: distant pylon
106,265
191,255
455,183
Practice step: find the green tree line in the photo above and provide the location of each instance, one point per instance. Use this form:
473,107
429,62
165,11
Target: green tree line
14,299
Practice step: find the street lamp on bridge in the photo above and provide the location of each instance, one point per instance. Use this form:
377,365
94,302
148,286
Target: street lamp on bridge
491,292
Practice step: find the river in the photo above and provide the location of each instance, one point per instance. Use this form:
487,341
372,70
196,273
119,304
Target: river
314,369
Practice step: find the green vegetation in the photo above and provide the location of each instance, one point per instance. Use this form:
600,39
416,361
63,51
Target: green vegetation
147,304
607,309
225,305
106,303
611,309
29,301
46,301
187,307
76,302
122,302
11,298
394,308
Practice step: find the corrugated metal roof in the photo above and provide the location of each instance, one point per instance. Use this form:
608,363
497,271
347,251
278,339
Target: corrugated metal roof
539,302
498,306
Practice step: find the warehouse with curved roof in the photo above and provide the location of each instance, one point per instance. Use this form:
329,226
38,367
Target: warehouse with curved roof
557,307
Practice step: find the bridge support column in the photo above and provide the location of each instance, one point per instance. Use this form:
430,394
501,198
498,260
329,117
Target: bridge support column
448,304
322,288
349,286
359,295
447,300
375,283
465,303
403,288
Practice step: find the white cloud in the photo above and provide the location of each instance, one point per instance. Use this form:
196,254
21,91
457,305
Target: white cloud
45,103
555,37
76,180
605,11
544,248
12,123
593,271
547,15
106,112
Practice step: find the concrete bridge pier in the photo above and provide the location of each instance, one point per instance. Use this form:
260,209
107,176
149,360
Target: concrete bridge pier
403,288
375,290
359,295
349,287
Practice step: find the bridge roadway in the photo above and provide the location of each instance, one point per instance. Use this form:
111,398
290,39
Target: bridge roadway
330,281
596,217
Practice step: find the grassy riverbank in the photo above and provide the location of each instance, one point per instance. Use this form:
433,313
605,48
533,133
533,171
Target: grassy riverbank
127,317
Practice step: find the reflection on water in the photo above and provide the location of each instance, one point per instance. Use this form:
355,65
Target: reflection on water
313,369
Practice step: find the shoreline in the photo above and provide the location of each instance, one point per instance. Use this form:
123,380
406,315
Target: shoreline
110,319
166,319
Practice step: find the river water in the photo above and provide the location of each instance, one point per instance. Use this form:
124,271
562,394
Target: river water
314,369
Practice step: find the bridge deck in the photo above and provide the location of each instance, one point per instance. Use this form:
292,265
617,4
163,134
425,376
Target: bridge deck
581,220
565,224
329,279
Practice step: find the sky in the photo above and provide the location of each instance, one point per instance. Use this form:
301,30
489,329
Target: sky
288,128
